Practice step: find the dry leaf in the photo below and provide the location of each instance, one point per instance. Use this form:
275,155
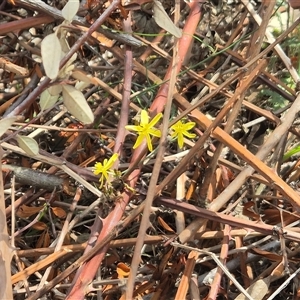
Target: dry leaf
77,104
51,55
44,240
164,225
28,144
25,211
163,20
257,290
59,212
39,226
122,270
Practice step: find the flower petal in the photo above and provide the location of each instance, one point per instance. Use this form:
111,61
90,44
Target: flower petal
144,118
149,143
104,173
154,132
180,140
174,134
138,141
155,120
111,161
189,135
133,128
189,125
176,126
103,169
98,168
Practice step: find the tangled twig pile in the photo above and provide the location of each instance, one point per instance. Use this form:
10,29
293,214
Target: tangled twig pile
149,149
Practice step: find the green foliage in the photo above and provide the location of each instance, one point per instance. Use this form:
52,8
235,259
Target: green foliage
290,45
275,101
290,153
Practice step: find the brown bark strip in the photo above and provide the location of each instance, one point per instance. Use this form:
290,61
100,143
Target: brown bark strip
6,251
225,219
16,26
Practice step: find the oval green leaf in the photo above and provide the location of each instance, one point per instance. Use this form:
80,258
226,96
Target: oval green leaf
47,100
28,144
77,104
51,54
6,123
70,9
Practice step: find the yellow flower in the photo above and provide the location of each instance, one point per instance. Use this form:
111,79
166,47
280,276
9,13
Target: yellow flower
181,129
104,169
145,129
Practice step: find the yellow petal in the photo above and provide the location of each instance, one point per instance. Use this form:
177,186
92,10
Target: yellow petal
138,141
155,120
180,141
149,143
111,161
144,118
104,173
98,168
176,126
189,125
189,135
154,132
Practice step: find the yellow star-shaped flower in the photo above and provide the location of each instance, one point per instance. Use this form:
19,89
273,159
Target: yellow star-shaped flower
180,130
104,169
145,129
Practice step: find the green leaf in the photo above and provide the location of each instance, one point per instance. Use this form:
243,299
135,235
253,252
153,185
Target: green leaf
28,144
47,100
291,152
6,123
77,104
70,9
51,55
